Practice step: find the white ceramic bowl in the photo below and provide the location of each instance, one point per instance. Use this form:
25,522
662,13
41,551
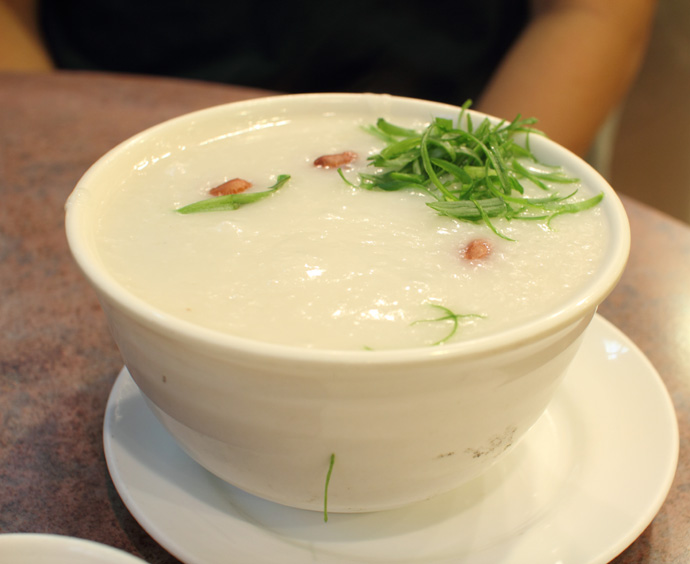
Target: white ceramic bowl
404,425
35,548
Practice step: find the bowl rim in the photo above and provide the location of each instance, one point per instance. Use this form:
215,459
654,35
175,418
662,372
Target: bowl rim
534,329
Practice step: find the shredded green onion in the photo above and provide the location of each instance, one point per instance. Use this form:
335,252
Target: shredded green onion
448,315
325,493
473,173
233,201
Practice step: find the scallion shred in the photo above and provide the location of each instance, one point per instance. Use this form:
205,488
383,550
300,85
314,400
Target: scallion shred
328,481
233,201
447,315
473,173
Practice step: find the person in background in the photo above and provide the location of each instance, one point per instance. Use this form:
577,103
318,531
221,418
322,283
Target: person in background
568,63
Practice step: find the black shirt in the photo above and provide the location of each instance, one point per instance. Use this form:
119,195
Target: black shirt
440,50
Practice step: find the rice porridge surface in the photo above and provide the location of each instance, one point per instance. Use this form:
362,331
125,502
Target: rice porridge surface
322,264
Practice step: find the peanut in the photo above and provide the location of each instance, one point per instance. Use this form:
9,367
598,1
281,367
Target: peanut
477,249
234,186
336,160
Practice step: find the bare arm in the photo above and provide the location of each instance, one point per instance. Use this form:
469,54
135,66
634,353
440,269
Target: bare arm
571,66
21,48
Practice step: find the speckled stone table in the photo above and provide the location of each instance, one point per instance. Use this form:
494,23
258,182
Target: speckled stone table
58,362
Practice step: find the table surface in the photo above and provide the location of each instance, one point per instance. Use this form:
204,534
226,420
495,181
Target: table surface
58,362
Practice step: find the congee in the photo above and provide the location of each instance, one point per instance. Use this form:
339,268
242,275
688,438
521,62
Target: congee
343,254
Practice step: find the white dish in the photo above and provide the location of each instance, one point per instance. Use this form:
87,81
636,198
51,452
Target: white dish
582,485
405,423
37,548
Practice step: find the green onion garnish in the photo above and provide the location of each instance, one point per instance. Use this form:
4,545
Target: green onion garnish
473,173
448,315
233,201
325,493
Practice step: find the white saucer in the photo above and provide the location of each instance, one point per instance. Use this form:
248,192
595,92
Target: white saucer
40,548
583,484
